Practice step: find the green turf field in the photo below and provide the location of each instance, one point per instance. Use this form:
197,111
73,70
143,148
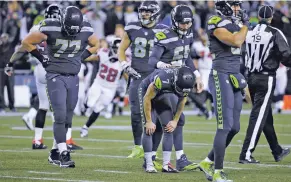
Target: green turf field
110,142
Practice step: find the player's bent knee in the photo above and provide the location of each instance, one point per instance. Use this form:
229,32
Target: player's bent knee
60,117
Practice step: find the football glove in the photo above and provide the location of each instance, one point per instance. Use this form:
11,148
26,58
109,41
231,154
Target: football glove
45,61
244,17
129,70
162,65
8,69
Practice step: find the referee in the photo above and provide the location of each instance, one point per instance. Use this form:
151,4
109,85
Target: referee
266,47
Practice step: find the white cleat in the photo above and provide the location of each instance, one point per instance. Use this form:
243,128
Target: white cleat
84,132
28,122
151,169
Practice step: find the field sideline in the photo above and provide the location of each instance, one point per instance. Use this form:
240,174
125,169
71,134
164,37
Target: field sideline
109,142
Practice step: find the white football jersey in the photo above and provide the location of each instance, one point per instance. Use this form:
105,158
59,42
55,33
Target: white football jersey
109,72
205,62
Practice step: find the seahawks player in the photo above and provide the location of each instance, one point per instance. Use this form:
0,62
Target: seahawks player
66,42
171,49
140,37
164,94
225,81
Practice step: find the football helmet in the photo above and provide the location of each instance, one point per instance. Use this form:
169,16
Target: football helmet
223,7
182,14
72,20
52,11
113,49
184,80
151,7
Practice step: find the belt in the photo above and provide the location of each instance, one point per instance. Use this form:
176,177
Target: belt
264,73
66,74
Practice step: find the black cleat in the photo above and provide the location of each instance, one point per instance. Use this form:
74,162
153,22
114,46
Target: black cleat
54,157
65,160
252,160
283,154
38,146
71,145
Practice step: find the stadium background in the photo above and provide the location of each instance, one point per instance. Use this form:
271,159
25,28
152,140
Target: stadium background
109,18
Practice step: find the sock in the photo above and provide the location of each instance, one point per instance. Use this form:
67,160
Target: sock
69,134
154,153
55,145
166,157
32,113
92,118
207,160
85,126
62,147
179,154
148,157
38,134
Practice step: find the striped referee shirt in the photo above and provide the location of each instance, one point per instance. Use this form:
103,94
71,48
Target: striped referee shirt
266,47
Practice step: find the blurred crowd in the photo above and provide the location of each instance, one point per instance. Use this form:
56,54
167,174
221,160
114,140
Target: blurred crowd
108,18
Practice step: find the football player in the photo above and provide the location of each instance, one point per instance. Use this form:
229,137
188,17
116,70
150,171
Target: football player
163,94
103,89
171,49
225,81
52,11
67,40
140,36
281,84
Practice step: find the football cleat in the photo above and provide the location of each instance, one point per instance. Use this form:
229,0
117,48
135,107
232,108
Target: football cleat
220,177
38,145
137,152
65,160
252,160
283,154
207,168
169,168
183,164
156,164
150,169
28,122
84,132
71,145
54,157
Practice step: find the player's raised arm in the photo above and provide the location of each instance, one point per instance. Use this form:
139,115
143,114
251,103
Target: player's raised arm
225,36
93,42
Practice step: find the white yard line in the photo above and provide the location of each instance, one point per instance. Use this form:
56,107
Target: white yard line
108,171
191,144
41,172
45,179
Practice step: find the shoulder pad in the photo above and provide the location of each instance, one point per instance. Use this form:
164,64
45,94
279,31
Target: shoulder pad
51,22
214,20
158,82
160,35
133,26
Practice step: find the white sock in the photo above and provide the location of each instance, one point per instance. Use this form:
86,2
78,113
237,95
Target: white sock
166,157
179,154
207,160
38,134
62,147
154,153
55,145
85,126
148,157
69,134
32,113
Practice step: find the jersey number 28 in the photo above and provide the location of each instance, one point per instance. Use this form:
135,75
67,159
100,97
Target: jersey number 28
65,44
107,73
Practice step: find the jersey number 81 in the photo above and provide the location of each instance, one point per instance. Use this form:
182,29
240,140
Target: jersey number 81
140,47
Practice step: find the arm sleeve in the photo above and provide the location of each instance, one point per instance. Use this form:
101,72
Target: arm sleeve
156,55
189,62
283,48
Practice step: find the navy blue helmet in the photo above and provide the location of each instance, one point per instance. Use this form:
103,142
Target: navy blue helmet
72,20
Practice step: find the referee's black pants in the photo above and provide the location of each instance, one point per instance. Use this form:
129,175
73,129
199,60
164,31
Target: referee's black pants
261,89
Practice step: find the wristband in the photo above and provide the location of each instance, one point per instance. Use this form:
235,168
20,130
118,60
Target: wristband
197,74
